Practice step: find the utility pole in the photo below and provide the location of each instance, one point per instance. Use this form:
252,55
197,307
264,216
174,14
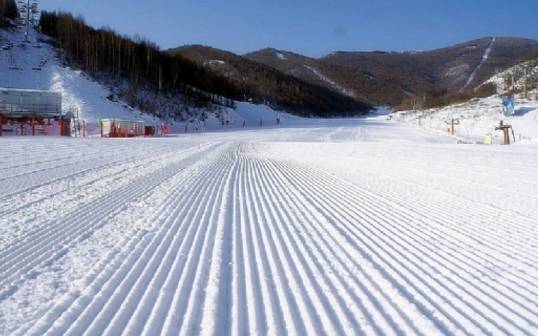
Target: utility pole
31,8
525,82
452,123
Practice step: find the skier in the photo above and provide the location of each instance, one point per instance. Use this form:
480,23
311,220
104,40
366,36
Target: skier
508,103
244,123
164,129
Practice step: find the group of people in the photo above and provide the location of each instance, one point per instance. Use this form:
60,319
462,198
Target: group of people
261,122
224,123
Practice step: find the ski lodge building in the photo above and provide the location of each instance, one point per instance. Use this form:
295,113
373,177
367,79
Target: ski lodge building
32,112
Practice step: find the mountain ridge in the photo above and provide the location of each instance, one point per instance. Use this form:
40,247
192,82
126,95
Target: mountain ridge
389,77
266,84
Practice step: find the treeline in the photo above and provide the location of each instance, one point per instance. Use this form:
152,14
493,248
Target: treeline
137,61
270,86
437,100
261,83
8,10
142,64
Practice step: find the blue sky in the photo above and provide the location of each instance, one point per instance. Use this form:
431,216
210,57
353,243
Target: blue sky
314,27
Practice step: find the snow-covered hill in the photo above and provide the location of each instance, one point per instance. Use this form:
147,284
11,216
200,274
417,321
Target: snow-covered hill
503,80
36,65
479,117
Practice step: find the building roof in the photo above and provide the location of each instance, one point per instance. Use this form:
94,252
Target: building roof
3,89
18,103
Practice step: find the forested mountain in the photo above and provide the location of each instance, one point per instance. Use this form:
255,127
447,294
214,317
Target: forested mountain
139,62
341,83
389,77
143,65
265,84
8,10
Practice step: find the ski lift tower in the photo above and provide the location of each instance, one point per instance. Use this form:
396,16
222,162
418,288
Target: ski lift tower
35,13
31,9
26,8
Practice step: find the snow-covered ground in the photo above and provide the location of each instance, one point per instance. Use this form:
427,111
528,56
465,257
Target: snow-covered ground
479,117
331,227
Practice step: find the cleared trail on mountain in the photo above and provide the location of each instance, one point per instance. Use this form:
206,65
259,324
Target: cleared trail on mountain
484,59
176,237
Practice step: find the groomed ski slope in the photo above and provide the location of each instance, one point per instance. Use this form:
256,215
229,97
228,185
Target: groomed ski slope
334,227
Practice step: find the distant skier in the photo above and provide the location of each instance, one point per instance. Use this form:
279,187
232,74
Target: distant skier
164,129
244,123
261,123
508,105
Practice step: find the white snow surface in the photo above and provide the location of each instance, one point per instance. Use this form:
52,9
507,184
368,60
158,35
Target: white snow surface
329,227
